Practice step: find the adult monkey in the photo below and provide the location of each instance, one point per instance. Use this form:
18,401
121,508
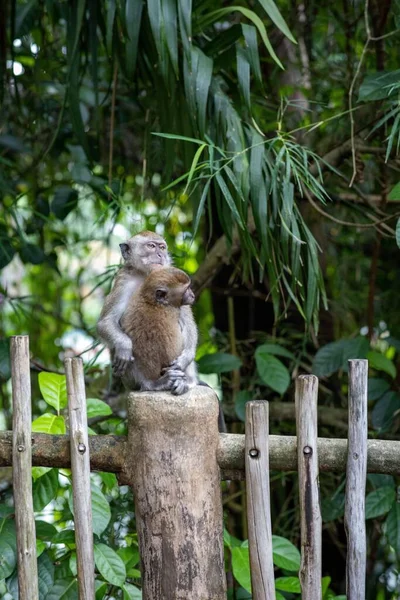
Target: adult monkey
142,253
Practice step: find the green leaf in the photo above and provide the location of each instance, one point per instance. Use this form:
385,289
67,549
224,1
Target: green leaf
131,592
241,566
66,537
182,138
200,208
100,510
109,564
54,389
30,253
45,489
274,349
379,362
288,584
45,575
229,200
64,589
332,508
5,365
272,371
384,411
48,423
398,233
376,388
45,531
255,19
378,86
8,548
6,250
335,356
393,527
250,36
285,554
379,502
130,556
65,200
241,400
272,11
220,362
97,408
394,193
133,16
193,166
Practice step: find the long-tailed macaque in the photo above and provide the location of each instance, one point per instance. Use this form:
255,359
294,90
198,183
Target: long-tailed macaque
142,253
152,321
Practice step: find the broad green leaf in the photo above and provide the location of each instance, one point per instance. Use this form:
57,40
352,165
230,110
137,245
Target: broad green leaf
65,200
376,388
8,549
45,531
241,566
274,349
393,527
384,410
39,471
220,362
285,554
379,502
288,584
325,582
30,253
273,372
101,513
130,556
48,423
335,356
64,589
241,400
66,537
131,592
394,194
45,574
5,365
97,408
45,489
40,548
332,508
109,564
54,389
378,480
379,362
101,589
272,11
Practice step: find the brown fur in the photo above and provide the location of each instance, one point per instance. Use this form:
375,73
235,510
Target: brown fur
154,327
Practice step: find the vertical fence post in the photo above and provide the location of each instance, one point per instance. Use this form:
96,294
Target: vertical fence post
80,466
22,464
258,501
172,445
356,474
310,514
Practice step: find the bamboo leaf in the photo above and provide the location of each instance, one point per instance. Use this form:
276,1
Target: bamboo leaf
250,36
133,16
229,199
243,71
194,165
272,11
171,31
251,15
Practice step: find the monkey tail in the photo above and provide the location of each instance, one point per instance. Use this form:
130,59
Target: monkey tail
221,417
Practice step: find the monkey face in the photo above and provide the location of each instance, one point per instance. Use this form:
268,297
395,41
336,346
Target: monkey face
145,251
188,297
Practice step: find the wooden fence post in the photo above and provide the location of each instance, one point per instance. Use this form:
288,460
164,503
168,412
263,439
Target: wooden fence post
354,516
258,501
80,466
310,513
22,464
172,446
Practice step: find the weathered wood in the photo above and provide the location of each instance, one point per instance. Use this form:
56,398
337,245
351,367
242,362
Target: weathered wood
80,467
22,463
310,513
383,456
258,501
176,482
356,474
107,453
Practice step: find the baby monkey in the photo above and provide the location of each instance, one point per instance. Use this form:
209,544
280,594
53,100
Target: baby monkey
152,322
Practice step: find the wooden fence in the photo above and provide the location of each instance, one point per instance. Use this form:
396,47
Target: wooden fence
174,458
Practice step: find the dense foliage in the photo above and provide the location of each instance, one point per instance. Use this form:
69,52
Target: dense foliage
270,131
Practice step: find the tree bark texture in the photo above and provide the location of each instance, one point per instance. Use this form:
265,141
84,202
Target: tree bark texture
175,477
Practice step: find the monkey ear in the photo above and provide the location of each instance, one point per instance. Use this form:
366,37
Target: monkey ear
124,250
161,294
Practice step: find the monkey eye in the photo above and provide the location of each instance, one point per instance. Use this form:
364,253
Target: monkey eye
163,247
151,245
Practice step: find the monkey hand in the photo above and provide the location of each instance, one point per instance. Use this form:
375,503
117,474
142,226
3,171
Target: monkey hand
122,357
177,381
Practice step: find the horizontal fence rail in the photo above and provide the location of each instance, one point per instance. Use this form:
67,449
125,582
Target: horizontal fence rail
107,453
